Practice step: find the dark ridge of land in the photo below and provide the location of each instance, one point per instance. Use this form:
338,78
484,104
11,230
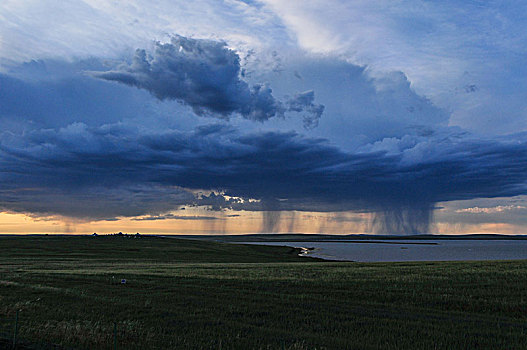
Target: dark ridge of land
123,249
354,238
191,294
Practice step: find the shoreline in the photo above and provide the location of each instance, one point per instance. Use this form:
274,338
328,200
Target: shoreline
311,253
304,251
406,251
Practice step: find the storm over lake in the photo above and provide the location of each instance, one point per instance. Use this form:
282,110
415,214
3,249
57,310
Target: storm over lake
429,250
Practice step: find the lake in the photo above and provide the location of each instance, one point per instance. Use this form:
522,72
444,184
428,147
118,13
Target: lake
400,250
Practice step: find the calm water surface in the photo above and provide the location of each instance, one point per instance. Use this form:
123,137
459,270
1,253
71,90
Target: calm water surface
440,250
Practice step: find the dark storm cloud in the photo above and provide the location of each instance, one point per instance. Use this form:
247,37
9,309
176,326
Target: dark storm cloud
205,75
116,170
87,202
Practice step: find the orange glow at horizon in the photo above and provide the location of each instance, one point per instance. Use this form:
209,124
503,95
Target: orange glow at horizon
224,223
189,223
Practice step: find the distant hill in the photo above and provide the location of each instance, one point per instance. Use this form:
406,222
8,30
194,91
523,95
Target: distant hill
299,237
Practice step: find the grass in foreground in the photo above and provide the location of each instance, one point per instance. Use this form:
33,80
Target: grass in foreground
183,294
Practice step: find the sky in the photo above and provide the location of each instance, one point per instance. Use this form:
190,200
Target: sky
198,117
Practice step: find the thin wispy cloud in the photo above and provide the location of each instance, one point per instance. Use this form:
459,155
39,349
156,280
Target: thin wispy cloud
492,210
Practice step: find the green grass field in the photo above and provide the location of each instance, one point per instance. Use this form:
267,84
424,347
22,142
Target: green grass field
184,294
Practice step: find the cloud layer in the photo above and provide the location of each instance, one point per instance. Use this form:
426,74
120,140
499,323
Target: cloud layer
117,170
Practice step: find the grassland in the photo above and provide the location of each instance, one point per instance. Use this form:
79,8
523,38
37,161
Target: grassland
183,294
